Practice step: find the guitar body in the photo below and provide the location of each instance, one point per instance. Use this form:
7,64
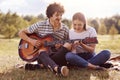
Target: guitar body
30,53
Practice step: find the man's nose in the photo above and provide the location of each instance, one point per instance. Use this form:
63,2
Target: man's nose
60,17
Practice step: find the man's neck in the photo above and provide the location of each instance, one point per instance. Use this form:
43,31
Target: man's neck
54,25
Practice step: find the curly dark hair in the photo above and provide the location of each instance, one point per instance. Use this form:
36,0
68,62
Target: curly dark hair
54,7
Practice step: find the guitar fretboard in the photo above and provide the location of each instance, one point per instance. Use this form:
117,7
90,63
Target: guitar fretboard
85,41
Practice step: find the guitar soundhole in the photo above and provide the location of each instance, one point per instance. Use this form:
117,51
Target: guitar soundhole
23,46
34,48
26,45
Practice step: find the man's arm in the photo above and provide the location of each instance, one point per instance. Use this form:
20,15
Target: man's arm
23,35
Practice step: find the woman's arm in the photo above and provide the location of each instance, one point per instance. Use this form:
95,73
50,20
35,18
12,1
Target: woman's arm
90,48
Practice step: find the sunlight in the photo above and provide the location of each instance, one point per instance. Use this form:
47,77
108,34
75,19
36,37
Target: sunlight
91,8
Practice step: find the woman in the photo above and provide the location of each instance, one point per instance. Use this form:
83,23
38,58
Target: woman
83,55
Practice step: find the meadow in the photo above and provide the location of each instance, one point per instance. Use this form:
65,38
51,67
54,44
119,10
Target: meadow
9,58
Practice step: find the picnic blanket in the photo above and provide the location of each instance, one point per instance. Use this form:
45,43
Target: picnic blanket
113,63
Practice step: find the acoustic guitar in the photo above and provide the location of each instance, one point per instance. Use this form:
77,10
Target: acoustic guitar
30,53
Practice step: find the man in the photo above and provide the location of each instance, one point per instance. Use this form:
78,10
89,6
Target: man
59,31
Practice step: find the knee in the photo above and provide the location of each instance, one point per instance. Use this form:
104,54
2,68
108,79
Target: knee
69,56
106,53
42,54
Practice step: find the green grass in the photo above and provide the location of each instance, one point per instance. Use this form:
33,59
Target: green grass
9,58
106,42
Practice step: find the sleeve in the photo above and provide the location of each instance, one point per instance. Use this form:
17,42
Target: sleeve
66,32
93,32
71,34
33,28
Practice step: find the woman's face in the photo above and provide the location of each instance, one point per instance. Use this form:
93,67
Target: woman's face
78,25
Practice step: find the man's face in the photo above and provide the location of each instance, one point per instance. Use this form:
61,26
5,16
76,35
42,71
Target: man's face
56,18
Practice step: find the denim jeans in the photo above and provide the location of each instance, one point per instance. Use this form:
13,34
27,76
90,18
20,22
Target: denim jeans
82,61
56,59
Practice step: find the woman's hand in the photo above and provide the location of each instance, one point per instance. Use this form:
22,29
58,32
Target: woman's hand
76,42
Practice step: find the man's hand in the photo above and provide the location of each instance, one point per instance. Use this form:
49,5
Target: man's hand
76,42
58,45
35,43
68,46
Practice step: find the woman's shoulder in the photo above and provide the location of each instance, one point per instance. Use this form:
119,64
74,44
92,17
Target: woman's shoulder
71,30
92,31
90,28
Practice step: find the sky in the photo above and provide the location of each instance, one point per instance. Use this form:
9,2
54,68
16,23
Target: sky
90,8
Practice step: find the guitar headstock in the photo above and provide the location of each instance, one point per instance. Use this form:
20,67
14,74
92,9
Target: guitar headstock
90,40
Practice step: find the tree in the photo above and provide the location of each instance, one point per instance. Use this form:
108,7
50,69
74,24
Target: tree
113,31
102,29
67,22
9,31
118,26
95,24
1,21
41,17
33,20
28,18
20,24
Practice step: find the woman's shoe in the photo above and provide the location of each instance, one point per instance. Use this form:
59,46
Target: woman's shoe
100,68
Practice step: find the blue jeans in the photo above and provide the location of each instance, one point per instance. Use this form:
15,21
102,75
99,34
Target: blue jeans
83,59
56,59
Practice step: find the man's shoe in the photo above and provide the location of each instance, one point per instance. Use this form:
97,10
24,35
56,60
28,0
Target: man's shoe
64,71
32,66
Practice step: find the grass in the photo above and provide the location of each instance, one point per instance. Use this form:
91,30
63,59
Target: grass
9,58
106,42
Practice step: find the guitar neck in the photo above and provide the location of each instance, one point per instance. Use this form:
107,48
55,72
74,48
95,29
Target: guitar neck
92,40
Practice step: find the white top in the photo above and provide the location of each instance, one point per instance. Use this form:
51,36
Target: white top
89,32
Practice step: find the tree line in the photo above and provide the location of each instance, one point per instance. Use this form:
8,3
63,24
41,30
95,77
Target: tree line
11,23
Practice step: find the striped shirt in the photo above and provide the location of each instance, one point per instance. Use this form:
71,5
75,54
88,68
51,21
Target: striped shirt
43,28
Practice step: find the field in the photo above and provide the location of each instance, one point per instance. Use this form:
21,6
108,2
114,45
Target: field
9,58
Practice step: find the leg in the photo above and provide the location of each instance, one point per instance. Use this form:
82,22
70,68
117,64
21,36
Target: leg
100,58
49,63
59,56
46,60
76,60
